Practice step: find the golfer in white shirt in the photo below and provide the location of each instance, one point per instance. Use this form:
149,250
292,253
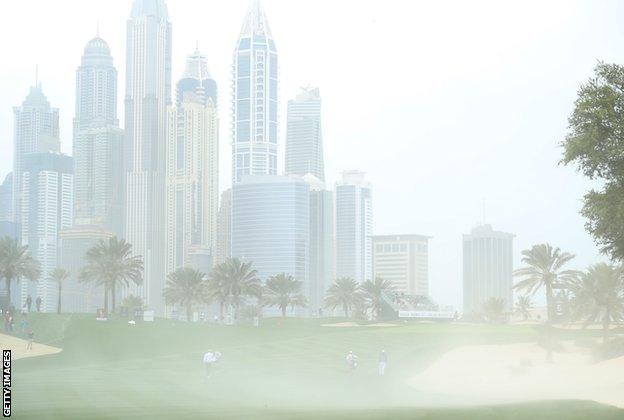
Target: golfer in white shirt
210,358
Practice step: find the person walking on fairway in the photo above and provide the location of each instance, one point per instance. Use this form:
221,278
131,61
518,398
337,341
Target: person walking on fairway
31,337
383,361
38,303
29,302
351,361
210,358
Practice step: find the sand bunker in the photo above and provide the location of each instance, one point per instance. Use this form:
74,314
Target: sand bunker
518,372
354,324
18,347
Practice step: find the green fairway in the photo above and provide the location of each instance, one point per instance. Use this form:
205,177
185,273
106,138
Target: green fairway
283,369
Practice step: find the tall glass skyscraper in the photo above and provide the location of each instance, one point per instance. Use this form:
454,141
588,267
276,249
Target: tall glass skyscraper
304,138
192,168
270,225
255,99
99,177
36,131
148,93
488,268
354,227
47,202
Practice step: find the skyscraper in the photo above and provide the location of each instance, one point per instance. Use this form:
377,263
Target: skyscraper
47,200
304,138
488,268
192,169
224,228
99,177
36,131
254,101
270,225
321,265
8,227
148,93
404,261
197,79
354,227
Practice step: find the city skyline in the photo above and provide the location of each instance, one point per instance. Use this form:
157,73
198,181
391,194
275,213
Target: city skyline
415,217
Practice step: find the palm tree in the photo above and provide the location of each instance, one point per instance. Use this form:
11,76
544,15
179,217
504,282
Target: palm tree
59,275
344,292
524,306
373,293
16,262
599,296
544,269
132,302
283,291
187,287
242,282
217,289
111,263
493,309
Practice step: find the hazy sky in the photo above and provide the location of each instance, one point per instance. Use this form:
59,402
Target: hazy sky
444,104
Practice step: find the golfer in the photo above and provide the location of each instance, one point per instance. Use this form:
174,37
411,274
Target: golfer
351,361
210,358
383,361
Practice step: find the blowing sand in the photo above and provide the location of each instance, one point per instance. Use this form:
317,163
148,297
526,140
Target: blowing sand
518,372
18,347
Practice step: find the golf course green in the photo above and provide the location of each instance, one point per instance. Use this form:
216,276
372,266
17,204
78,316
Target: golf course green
291,368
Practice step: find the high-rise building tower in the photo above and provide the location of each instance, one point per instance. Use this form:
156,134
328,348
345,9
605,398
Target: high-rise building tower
354,227
255,98
271,225
96,87
192,169
224,228
99,177
404,261
148,93
197,79
304,138
36,131
488,268
47,200
321,266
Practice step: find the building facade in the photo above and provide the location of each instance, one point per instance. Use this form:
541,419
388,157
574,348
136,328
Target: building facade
354,227
75,242
321,265
304,138
99,174
271,225
224,228
404,261
47,201
488,268
192,171
36,131
255,98
148,94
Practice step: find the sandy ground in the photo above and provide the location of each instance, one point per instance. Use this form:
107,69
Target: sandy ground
518,372
18,347
355,324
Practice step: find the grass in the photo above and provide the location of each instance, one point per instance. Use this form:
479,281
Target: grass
284,369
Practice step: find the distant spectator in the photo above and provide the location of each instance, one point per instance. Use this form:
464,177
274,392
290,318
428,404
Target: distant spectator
351,361
31,338
38,303
383,361
29,303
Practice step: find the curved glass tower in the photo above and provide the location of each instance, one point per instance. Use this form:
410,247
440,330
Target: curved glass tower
254,102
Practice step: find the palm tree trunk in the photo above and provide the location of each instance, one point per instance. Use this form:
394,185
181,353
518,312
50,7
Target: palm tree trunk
221,307
8,285
113,297
106,300
346,309
549,321
59,298
605,328
283,312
